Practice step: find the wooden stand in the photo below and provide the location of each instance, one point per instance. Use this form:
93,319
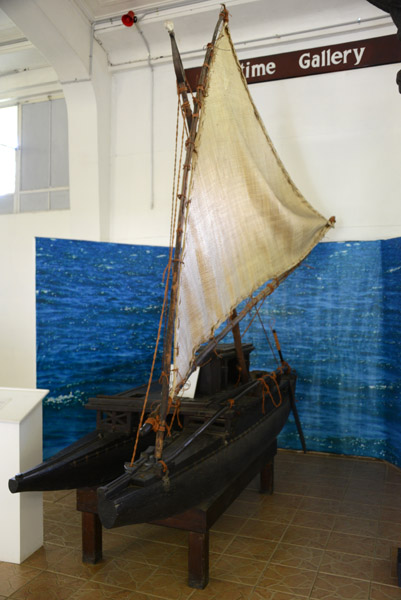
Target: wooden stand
197,521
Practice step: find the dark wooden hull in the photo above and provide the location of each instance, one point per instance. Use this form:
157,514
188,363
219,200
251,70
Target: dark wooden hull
206,466
96,458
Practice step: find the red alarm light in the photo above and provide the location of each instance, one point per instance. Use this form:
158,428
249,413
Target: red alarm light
129,19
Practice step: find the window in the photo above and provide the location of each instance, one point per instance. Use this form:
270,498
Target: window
8,153
38,167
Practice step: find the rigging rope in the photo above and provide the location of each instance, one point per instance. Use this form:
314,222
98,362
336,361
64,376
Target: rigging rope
257,314
166,274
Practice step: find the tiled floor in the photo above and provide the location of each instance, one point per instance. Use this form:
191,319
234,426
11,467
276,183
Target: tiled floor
330,531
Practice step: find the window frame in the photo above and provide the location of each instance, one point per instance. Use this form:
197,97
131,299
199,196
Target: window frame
19,194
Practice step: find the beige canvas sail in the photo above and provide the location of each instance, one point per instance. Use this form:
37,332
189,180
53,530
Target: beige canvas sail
247,223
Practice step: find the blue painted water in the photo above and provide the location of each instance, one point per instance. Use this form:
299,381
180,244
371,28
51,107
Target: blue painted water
338,319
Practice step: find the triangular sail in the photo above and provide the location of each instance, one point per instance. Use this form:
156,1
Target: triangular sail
247,223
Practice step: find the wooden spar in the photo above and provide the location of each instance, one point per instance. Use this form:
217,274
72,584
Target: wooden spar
182,84
238,349
292,397
167,349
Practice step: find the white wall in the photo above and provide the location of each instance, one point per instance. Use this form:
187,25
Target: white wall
63,36
338,134
133,220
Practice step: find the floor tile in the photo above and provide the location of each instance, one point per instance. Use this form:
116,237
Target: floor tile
223,590
251,495
69,499
330,531
300,557
259,594
62,534
124,573
384,592
13,577
363,469
55,496
256,549
299,486
168,584
363,496
329,492
322,505
389,531
229,523
266,530
279,514
351,544
177,559
278,500
150,553
98,591
60,512
358,510
347,565
115,545
306,536
49,586
280,578
386,550
392,488
332,587
385,572
218,541
393,474
346,524
390,514
241,508
63,560
316,520
237,570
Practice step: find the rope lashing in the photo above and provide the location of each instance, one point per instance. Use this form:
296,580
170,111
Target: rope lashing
174,416
274,378
182,87
266,390
163,464
224,14
155,422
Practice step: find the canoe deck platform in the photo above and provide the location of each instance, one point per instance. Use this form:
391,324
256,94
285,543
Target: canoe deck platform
197,520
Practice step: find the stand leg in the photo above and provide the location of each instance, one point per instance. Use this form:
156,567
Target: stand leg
91,538
267,478
198,559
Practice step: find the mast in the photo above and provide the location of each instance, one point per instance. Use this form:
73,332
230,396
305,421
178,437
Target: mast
167,350
182,84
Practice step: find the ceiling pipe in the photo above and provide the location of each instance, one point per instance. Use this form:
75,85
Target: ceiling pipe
115,21
244,44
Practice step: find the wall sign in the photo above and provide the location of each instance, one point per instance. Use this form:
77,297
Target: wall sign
325,59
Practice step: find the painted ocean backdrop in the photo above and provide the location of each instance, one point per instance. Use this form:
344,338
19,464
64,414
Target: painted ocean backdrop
338,318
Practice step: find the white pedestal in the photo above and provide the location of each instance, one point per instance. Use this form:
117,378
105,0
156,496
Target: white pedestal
21,515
